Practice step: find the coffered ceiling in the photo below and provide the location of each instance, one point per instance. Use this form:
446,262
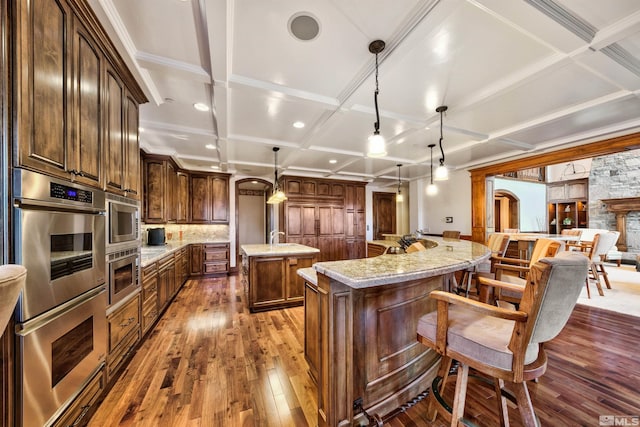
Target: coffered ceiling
518,77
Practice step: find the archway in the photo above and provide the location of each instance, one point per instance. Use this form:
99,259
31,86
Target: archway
254,217
507,211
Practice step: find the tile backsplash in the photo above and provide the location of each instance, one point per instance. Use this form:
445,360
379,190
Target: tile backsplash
190,231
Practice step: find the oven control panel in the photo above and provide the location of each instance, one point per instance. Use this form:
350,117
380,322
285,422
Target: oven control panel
61,191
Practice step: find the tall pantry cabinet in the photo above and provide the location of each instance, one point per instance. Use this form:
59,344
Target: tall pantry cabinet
325,214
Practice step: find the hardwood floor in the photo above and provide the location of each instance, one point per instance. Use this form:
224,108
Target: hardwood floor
209,362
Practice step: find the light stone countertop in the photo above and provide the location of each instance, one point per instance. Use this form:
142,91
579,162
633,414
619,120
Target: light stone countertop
277,249
385,243
308,274
449,256
12,281
150,254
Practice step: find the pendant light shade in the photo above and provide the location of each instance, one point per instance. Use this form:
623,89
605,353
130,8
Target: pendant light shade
377,144
399,196
278,195
432,189
442,173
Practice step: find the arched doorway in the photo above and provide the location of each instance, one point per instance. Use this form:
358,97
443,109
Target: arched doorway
506,211
254,217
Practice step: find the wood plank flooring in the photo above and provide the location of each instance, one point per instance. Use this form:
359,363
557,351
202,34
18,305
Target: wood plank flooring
209,362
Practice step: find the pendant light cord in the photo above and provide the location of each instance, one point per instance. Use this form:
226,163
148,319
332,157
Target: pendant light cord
431,147
440,142
376,125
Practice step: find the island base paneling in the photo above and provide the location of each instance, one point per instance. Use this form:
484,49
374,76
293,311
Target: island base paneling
368,347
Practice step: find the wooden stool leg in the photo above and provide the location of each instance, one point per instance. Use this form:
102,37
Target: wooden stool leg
461,394
443,372
498,384
594,270
587,284
604,275
524,404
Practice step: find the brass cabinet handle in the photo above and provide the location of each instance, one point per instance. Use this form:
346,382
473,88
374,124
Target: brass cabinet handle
129,321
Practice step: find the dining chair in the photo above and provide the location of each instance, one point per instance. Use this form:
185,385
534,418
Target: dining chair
515,272
451,234
573,232
596,253
497,244
505,345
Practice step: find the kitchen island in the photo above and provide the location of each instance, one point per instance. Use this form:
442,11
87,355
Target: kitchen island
270,274
365,354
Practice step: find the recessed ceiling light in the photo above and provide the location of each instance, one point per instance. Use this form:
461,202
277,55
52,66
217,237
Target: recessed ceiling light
333,161
210,146
298,125
200,106
215,167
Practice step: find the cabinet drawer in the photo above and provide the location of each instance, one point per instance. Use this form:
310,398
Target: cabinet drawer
118,358
85,403
123,321
216,267
216,255
149,313
149,270
149,289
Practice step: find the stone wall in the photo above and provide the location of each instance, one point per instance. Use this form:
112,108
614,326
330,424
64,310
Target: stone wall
612,177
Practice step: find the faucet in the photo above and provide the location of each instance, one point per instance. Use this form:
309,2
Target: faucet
273,234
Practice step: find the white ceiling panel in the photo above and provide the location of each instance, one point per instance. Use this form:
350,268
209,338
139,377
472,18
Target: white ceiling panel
517,77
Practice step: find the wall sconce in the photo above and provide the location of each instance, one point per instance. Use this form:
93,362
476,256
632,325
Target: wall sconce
377,144
432,189
442,173
399,196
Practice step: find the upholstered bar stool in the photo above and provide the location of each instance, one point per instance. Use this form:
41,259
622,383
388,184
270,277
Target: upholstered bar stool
12,280
506,345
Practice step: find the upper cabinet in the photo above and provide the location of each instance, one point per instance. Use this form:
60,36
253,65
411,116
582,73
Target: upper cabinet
76,109
173,195
209,196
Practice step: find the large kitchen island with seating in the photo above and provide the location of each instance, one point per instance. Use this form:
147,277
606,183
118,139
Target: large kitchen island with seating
360,328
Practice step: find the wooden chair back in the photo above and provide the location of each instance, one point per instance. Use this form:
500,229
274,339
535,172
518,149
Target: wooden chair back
451,234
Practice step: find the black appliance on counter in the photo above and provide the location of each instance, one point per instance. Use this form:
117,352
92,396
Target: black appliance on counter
155,237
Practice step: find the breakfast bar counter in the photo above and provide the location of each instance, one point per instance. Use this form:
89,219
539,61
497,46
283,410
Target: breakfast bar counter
366,311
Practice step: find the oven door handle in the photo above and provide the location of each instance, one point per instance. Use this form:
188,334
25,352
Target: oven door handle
24,329
57,207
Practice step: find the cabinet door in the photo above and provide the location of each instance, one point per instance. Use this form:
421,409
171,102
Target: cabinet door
200,199
154,191
267,281
312,333
132,144
295,283
44,99
85,153
114,135
220,200
183,197
197,259
170,193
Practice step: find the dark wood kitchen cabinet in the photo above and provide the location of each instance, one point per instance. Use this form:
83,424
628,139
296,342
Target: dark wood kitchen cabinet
160,184
325,214
149,304
72,89
274,282
182,199
209,258
123,334
209,195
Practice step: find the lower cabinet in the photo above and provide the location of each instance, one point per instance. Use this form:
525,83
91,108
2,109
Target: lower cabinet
123,334
209,258
85,404
312,328
149,307
274,282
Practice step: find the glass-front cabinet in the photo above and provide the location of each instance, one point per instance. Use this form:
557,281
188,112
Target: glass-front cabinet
568,205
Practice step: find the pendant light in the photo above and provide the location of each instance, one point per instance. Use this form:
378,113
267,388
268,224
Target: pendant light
442,173
278,195
377,146
432,189
399,196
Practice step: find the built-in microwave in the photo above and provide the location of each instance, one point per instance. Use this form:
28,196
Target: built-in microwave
124,273
123,220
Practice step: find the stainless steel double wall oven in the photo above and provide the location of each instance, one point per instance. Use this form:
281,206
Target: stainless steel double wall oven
61,323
